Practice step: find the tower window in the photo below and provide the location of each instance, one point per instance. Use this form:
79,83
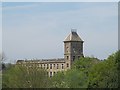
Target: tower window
50,66
67,65
67,50
67,57
73,58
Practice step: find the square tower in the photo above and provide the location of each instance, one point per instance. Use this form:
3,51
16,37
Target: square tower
73,48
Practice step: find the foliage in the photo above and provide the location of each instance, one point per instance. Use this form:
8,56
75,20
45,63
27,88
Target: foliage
84,64
87,72
75,77
69,79
105,73
25,77
90,72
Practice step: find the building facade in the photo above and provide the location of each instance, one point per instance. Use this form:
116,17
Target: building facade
73,50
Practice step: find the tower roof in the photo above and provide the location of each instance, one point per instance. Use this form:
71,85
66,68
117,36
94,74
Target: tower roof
73,36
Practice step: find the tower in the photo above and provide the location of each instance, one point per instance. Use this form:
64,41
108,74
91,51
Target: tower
73,48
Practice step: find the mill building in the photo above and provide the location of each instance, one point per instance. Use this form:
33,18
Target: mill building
73,50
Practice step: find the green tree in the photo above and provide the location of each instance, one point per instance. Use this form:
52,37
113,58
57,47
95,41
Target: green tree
25,77
84,64
105,73
77,76
70,79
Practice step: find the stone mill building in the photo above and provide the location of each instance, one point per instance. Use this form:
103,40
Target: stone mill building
73,50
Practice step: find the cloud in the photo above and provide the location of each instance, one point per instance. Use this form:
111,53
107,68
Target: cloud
19,7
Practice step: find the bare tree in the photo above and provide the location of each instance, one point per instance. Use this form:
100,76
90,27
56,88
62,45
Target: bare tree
2,59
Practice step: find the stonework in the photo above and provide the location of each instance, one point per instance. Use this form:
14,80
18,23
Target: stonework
73,50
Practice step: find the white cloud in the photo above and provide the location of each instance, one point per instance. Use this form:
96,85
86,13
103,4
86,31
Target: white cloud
22,7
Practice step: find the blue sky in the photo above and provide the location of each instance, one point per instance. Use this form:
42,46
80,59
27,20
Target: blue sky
37,30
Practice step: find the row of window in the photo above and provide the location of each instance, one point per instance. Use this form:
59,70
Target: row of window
51,73
53,66
48,66
73,57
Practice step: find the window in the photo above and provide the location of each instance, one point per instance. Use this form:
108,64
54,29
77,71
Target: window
62,66
54,73
54,65
41,65
50,66
57,66
67,50
50,74
80,50
44,66
47,66
67,57
78,57
67,65
73,58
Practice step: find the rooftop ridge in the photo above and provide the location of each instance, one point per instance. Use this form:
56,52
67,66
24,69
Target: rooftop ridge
73,36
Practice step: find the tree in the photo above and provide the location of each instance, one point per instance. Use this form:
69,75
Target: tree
69,79
25,77
77,76
105,74
2,59
84,64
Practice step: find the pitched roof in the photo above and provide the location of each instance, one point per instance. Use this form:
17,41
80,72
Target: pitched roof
73,36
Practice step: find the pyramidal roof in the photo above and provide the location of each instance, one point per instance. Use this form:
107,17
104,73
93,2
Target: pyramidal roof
73,36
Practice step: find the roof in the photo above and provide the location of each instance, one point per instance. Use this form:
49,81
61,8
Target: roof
73,36
58,60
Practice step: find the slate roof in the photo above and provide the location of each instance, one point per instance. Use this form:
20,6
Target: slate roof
73,36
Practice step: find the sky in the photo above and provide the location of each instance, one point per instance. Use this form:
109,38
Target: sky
36,30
